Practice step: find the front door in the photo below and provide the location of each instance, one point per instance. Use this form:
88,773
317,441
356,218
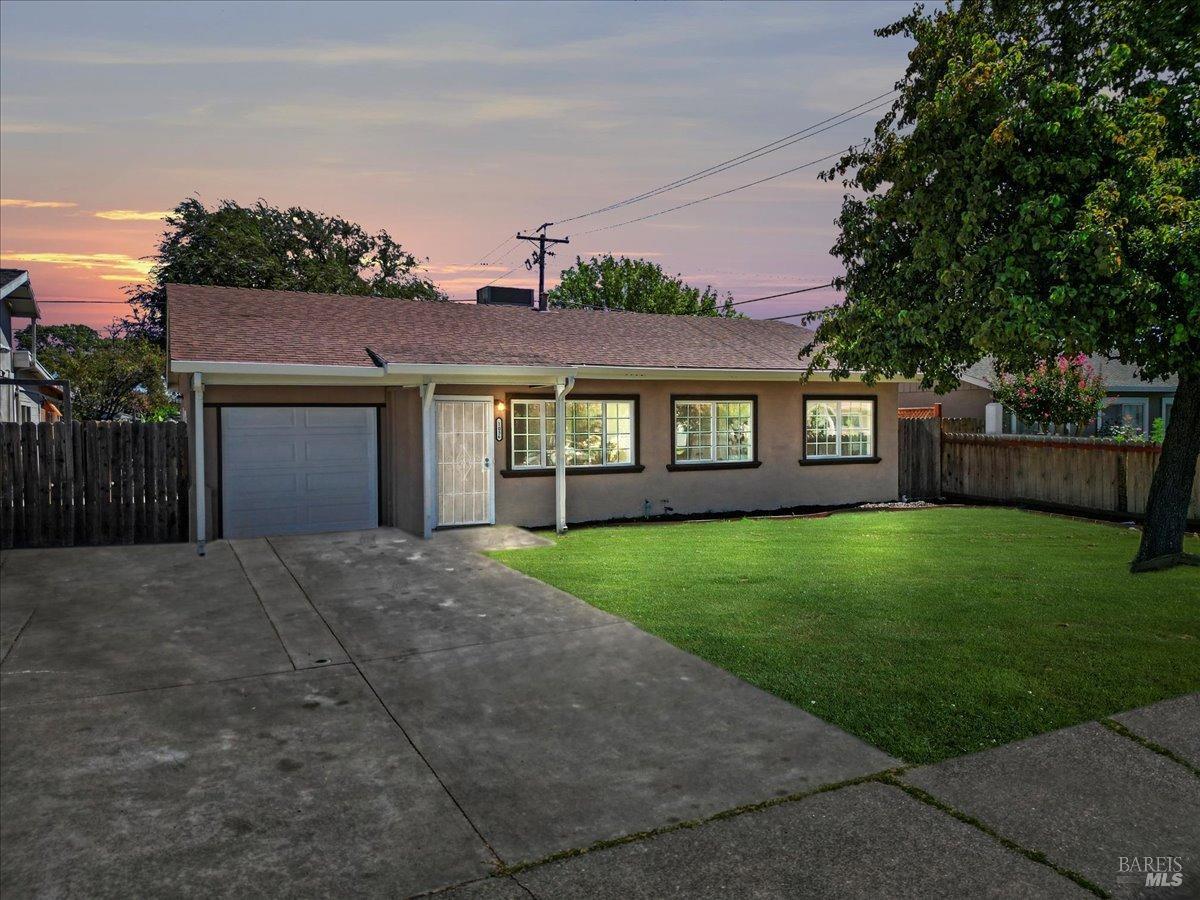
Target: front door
465,473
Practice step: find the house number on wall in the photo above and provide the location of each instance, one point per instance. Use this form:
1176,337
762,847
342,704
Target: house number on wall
499,429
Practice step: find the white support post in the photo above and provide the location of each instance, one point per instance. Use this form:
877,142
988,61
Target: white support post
198,475
561,389
429,463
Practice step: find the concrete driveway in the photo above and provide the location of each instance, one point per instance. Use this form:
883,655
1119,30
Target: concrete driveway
370,714
353,713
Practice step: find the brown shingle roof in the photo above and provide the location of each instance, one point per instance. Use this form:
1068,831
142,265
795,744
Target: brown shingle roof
242,325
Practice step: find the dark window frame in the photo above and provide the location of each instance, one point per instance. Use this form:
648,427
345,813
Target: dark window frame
839,460
548,471
753,463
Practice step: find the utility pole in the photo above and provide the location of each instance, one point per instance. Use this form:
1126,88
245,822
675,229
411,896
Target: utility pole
539,257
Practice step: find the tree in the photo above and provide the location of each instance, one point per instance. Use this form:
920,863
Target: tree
110,377
1065,392
64,337
638,285
1034,190
262,246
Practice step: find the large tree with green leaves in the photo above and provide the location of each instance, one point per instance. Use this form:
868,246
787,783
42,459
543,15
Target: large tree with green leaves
1034,190
110,377
263,246
638,285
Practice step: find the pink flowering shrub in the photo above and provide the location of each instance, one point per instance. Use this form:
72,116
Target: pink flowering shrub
1060,392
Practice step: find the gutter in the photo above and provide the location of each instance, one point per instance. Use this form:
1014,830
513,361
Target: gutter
408,373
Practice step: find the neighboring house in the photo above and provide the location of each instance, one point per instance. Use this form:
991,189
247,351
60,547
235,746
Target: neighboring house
324,412
1131,400
22,403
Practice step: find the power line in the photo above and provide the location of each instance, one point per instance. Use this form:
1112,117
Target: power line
852,112
805,290
88,302
505,275
732,190
812,312
482,259
748,156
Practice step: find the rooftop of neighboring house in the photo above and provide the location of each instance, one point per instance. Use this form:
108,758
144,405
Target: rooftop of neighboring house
1117,375
285,327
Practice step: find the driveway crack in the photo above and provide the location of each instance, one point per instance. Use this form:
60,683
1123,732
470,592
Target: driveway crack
17,636
499,862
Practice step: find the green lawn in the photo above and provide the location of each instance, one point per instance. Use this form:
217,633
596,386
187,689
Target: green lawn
929,633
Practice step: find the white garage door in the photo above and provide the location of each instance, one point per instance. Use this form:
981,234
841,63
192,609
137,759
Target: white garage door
295,469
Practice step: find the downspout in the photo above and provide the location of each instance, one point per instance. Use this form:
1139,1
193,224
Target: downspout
198,475
428,464
561,389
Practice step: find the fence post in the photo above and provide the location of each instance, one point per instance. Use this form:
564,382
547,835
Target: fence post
8,477
33,508
1122,483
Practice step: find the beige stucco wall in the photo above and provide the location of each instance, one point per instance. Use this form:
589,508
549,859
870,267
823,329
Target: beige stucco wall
402,451
779,482
966,402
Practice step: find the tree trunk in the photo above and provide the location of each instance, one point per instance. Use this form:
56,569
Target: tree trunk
1171,487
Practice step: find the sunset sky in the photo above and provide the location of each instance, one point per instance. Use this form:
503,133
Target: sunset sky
449,125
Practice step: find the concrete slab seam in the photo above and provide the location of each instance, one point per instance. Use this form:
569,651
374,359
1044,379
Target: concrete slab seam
1008,843
730,813
386,708
261,605
17,636
1126,732
157,687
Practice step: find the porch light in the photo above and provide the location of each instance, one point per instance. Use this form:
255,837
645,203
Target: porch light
499,406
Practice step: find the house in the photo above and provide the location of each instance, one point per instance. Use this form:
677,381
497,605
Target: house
317,412
1131,400
27,390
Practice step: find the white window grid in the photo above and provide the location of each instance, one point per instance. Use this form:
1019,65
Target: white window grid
606,427
714,431
839,429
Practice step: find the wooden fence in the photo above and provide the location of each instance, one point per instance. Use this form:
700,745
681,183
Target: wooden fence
72,483
920,458
1073,474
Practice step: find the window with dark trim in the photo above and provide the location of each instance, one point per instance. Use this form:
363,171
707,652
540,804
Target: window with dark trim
713,431
601,432
839,428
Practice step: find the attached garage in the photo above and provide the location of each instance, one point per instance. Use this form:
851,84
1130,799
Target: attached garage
298,469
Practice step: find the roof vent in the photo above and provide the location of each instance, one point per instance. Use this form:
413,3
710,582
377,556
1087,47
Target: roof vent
494,295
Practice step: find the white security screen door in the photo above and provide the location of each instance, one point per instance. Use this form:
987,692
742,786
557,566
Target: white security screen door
296,469
465,486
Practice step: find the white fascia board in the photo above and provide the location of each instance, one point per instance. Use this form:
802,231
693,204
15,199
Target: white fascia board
211,367
410,374
976,382
7,289
482,374
454,373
